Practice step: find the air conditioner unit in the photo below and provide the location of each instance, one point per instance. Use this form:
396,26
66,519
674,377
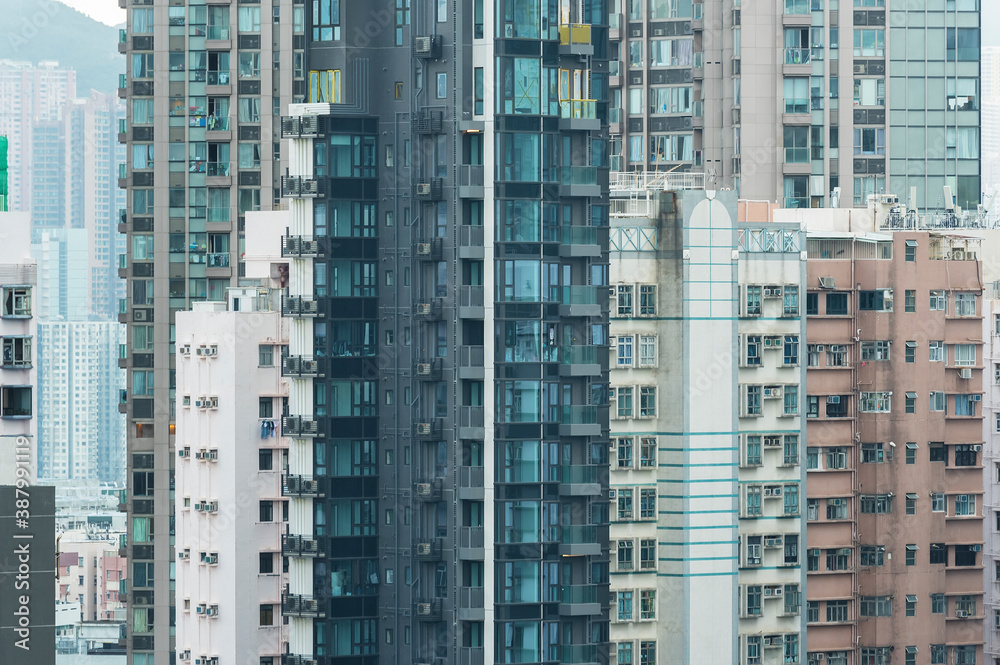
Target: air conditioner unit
185,655
184,452
201,402
977,397
423,489
199,454
212,506
200,609
423,308
962,614
774,641
772,392
422,44
184,555
186,400
820,347
772,541
772,441
833,399
958,254
200,351
976,548
212,558
213,402
184,349
827,283
423,248
423,549
423,369
424,189
214,660
140,315
212,350
778,591
423,429
772,291
212,454
773,490
213,611
965,373
773,342
423,609
199,506
977,448
820,656
612,494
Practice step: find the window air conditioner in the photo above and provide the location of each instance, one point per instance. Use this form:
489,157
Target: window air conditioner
185,349
965,373
772,392
184,452
213,611
977,448
213,402
977,397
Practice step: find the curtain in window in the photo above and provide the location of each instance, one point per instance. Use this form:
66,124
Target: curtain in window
249,109
140,529
218,205
140,619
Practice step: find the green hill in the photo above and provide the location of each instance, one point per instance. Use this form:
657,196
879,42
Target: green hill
38,30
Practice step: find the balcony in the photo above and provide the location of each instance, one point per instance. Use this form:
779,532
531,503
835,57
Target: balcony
122,40
428,369
298,605
427,610
429,310
470,302
432,189
428,430
300,247
122,86
578,654
218,77
470,181
429,551
579,360
579,540
471,243
299,427
300,187
471,363
579,115
299,306
217,260
579,421
471,542
578,301
579,241
429,250
578,181
301,546
471,656
218,170
471,603
470,483
580,480
795,58
427,122
122,266
302,367
429,491
471,422
574,39
578,600
301,486
217,123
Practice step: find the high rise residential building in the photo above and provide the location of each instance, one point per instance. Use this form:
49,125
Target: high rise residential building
230,460
895,437
857,98
64,275
31,93
204,88
81,435
991,472
448,335
696,429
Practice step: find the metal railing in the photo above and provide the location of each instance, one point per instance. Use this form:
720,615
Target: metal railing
574,33
470,296
656,180
471,356
578,109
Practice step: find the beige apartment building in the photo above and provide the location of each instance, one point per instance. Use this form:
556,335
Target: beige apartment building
895,493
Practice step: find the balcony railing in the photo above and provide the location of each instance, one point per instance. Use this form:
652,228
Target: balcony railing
578,295
299,486
578,175
577,354
578,535
579,235
471,476
218,169
300,546
218,123
578,654
218,78
472,416
217,32
797,105
470,175
473,597
300,246
218,259
471,356
578,593
301,606
471,537
574,33
578,474
578,109
578,415
797,56
299,427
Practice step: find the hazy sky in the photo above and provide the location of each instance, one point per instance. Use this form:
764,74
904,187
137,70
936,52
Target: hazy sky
105,11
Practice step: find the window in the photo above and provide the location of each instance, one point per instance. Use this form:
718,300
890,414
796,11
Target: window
910,352
647,452
624,504
878,504
265,355
812,611
812,355
812,560
965,455
965,355
647,554
625,300
869,43
875,402
910,299
752,396
836,304
791,401
963,45
752,450
647,402
836,355
836,458
647,350
265,407
754,550
647,653
752,300
879,300
965,605
911,503
812,406
267,615
837,611
647,300
869,141
965,504
937,401
876,606
838,559
791,449
15,401
836,509
869,92
16,301
965,304
878,350
796,139
911,555
939,553
752,506
965,405
625,551
812,304
266,563
754,598
791,499
624,453
939,301
910,404
625,351
790,305
911,453
624,653
910,252
266,511
624,605
872,453
624,401
753,349
265,460
326,20
647,504
647,605
791,350
937,502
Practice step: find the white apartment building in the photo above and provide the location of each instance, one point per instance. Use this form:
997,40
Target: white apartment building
230,457
706,526
991,473
81,433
